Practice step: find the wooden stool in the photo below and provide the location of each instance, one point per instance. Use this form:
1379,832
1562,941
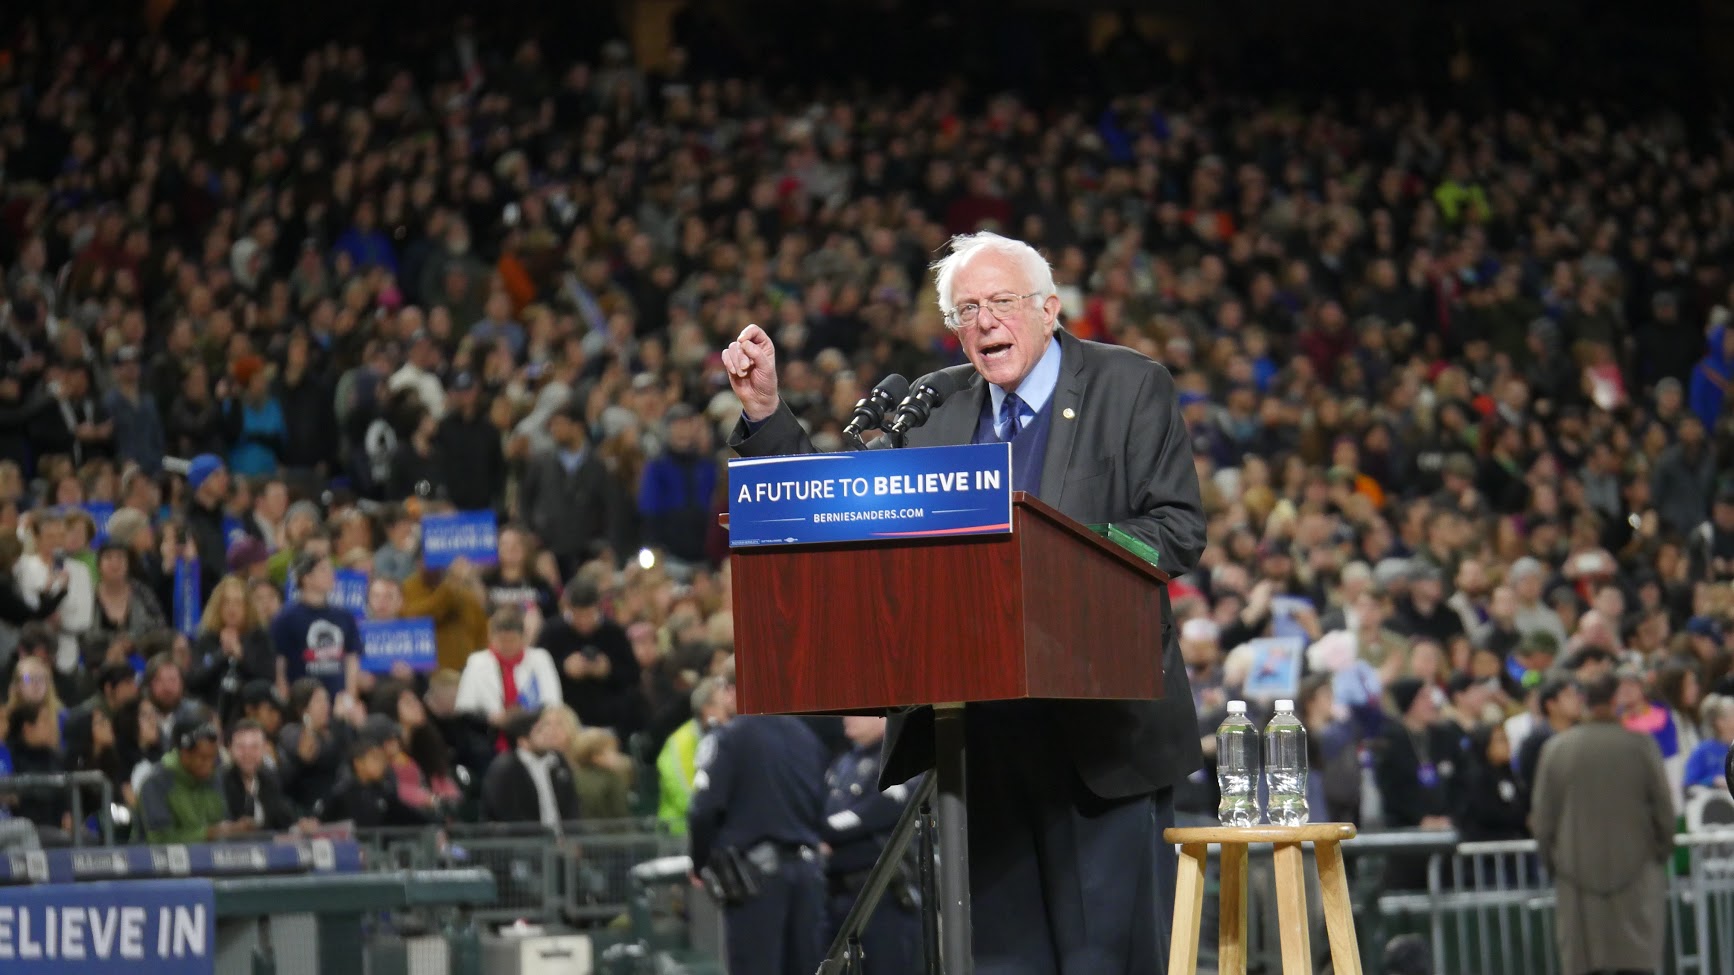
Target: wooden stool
1291,896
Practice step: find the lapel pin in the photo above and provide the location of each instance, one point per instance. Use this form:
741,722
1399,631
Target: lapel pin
1069,413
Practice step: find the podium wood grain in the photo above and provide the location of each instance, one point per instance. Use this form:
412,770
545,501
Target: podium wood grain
1050,610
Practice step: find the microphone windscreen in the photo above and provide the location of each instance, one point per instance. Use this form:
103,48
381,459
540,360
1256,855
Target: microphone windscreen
941,382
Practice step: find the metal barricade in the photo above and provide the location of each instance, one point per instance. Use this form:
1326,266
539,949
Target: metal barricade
1701,908
402,848
1489,909
597,859
524,860
74,784
579,875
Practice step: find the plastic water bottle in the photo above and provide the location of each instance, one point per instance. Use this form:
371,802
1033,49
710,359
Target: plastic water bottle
1237,767
1285,767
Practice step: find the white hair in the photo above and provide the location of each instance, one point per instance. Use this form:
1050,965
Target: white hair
968,247
1713,710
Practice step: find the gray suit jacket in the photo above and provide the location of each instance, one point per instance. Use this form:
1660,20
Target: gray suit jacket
1122,456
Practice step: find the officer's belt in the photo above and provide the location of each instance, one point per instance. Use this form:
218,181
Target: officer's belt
769,855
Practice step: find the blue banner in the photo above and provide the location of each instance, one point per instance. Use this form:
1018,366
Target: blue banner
188,596
411,641
64,866
866,495
471,535
232,531
149,927
350,592
99,512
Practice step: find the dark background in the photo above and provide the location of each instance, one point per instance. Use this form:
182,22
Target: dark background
1464,54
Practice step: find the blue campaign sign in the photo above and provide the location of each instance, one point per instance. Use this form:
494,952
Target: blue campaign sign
151,927
350,592
411,641
870,494
232,531
472,535
99,512
188,597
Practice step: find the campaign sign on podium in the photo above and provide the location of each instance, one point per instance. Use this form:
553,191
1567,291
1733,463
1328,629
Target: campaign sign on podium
863,495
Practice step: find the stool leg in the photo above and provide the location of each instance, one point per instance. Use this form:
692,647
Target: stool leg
1231,952
1291,910
1339,912
1188,909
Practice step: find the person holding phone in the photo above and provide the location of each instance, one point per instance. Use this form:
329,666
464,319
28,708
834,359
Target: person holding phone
45,572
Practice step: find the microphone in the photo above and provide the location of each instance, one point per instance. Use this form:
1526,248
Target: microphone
870,410
929,391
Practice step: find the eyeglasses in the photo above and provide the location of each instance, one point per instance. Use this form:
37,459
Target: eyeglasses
1000,305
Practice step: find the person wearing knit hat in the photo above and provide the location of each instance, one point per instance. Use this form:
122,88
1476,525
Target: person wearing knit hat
248,557
208,484
1410,762
201,469
1404,692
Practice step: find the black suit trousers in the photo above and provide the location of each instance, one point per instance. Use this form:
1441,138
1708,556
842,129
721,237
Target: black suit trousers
1062,881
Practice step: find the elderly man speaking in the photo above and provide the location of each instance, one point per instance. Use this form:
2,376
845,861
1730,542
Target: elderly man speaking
1067,799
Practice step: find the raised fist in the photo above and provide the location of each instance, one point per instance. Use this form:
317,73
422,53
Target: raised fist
751,362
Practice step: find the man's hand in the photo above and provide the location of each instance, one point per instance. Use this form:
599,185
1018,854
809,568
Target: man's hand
233,827
576,667
583,666
1435,822
751,361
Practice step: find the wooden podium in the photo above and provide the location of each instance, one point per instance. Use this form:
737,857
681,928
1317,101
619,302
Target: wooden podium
1051,610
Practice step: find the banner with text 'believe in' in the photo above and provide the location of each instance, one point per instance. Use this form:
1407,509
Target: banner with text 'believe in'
143,927
410,641
868,495
472,535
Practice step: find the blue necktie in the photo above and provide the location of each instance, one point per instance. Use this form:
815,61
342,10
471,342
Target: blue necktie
1008,418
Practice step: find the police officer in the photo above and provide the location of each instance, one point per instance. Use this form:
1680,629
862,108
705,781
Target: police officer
859,820
754,823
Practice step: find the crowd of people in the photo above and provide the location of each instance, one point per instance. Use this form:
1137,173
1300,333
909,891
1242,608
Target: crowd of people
1455,388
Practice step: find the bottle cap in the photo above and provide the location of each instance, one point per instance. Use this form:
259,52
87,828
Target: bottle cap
1236,707
1285,705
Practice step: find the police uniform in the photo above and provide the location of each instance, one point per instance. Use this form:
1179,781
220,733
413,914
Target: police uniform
859,820
757,799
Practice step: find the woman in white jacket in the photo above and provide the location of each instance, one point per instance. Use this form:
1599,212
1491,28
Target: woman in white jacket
44,570
507,676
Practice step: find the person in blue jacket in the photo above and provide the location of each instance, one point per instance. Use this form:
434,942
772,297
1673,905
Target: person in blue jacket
756,802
